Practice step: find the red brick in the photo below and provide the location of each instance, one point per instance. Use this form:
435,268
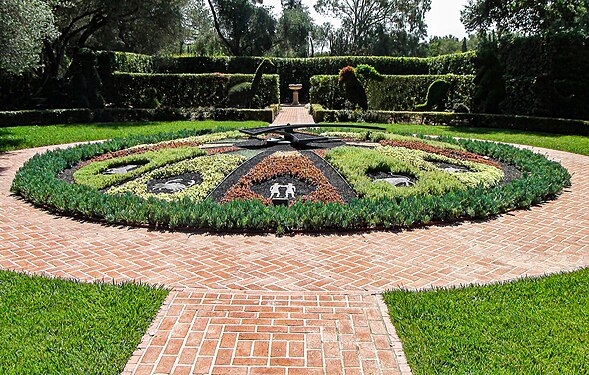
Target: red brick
278,349
261,349
208,348
289,362
315,358
223,357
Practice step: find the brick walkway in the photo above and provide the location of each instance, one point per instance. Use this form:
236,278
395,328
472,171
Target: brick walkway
294,304
293,115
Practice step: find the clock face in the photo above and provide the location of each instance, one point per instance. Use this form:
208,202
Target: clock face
288,179
331,167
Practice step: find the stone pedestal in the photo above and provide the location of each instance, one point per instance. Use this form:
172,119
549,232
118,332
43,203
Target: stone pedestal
295,92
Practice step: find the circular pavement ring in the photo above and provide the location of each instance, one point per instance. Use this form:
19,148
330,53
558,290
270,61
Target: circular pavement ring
548,238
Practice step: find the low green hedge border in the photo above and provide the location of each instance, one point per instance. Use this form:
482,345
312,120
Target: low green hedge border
37,181
478,120
395,92
84,115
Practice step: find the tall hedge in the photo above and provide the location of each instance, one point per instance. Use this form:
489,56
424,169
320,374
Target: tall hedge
290,70
186,90
394,93
546,76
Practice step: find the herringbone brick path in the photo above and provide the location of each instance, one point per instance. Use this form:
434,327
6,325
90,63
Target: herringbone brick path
293,115
206,332
303,303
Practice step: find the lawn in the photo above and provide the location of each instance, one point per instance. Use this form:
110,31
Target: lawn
577,144
53,326
13,138
531,326
19,137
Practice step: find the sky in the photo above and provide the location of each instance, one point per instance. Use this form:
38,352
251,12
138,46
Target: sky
442,19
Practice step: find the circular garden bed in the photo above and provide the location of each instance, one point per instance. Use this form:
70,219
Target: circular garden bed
347,181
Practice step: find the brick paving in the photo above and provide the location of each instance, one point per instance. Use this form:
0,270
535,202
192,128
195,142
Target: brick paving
293,115
293,304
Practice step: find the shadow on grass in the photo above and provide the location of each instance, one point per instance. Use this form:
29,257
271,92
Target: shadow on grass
7,143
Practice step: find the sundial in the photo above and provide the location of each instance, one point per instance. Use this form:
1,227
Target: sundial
289,135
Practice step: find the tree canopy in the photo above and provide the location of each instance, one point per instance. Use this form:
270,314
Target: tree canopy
24,24
526,17
381,26
244,27
295,27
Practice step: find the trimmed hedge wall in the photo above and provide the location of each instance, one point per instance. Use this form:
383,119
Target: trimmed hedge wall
186,90
84,115
37,181
290,70
479,120
394,93
562,59
113,61
46,117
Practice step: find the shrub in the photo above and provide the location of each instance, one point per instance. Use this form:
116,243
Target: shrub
85,85
478,120
437,94
46,117
188,90
394,93
151,98
353,88
85,115
546,76
368,73
290,70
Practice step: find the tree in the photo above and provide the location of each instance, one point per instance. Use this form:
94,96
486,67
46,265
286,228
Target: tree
81,22
443,45
295,27
526,17
155,26
24,24
199,29
389,20
244,28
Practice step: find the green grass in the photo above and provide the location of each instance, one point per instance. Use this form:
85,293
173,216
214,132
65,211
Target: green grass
577,144
530,326
13,138
19,137
53,326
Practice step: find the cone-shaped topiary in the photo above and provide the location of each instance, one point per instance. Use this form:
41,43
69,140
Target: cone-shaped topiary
436,97
242,95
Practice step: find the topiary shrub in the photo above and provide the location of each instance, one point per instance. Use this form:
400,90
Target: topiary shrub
461,108
244,94
354,79
437,94
354,90
151,98
85,83
489,80
366,72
